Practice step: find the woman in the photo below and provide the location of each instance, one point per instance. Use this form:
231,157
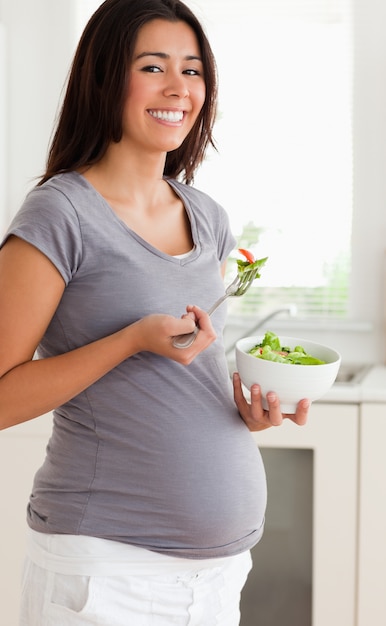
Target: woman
152,491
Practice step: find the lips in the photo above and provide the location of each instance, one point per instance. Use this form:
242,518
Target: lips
167,116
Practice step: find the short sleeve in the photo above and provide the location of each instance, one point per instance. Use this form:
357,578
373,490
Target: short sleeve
48,220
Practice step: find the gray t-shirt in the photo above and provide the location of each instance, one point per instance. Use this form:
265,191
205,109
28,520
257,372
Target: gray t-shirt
155,453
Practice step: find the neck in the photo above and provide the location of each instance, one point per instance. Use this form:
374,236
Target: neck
133,163
123,174
130,180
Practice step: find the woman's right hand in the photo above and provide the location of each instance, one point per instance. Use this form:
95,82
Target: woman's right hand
155,333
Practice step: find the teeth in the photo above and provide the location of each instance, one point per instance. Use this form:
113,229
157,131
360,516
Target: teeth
168,116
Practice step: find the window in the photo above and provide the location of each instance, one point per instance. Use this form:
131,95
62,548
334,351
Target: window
283,169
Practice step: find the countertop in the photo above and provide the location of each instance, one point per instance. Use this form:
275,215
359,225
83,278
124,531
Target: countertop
370,388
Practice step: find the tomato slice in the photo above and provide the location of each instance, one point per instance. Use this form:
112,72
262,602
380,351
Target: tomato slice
248,255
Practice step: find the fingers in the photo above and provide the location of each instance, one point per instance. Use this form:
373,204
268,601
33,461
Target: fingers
258,418
155,333
203,338
257,414
252,413
189,315
201,317
261,419
238,395
275,414
301,415
206,334
168,326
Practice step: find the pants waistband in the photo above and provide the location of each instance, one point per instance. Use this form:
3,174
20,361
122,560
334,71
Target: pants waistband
92,556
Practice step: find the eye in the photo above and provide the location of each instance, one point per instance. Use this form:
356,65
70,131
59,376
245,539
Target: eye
192,72
152,69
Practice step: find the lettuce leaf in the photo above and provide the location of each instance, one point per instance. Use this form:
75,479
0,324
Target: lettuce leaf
270,349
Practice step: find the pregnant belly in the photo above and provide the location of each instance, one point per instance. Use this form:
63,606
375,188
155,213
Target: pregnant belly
193,496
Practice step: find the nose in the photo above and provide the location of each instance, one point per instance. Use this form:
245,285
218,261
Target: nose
176,86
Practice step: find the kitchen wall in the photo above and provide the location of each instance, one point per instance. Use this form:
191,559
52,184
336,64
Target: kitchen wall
36,45
369,227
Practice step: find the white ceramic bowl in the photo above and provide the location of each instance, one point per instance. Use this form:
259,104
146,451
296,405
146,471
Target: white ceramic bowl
290,382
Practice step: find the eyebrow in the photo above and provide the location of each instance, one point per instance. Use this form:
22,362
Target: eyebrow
163,55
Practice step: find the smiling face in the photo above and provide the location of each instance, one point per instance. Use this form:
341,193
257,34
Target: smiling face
166,87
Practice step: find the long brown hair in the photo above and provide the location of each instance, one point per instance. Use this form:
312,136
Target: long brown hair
92,110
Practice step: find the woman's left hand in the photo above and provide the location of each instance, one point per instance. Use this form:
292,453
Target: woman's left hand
253,414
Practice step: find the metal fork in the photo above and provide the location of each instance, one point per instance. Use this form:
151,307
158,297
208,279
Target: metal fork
237,288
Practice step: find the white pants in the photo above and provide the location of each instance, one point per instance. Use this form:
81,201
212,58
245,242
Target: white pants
137,588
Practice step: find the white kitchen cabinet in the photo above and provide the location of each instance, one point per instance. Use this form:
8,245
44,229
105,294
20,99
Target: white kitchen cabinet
372,517
22,451
332,435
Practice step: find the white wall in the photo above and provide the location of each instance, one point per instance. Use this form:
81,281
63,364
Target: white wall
3,113
39,47
37,56
369,232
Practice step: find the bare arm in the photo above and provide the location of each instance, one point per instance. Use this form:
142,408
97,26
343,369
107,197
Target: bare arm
30,291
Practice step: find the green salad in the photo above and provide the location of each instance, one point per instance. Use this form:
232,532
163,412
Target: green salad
250,266
271,349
